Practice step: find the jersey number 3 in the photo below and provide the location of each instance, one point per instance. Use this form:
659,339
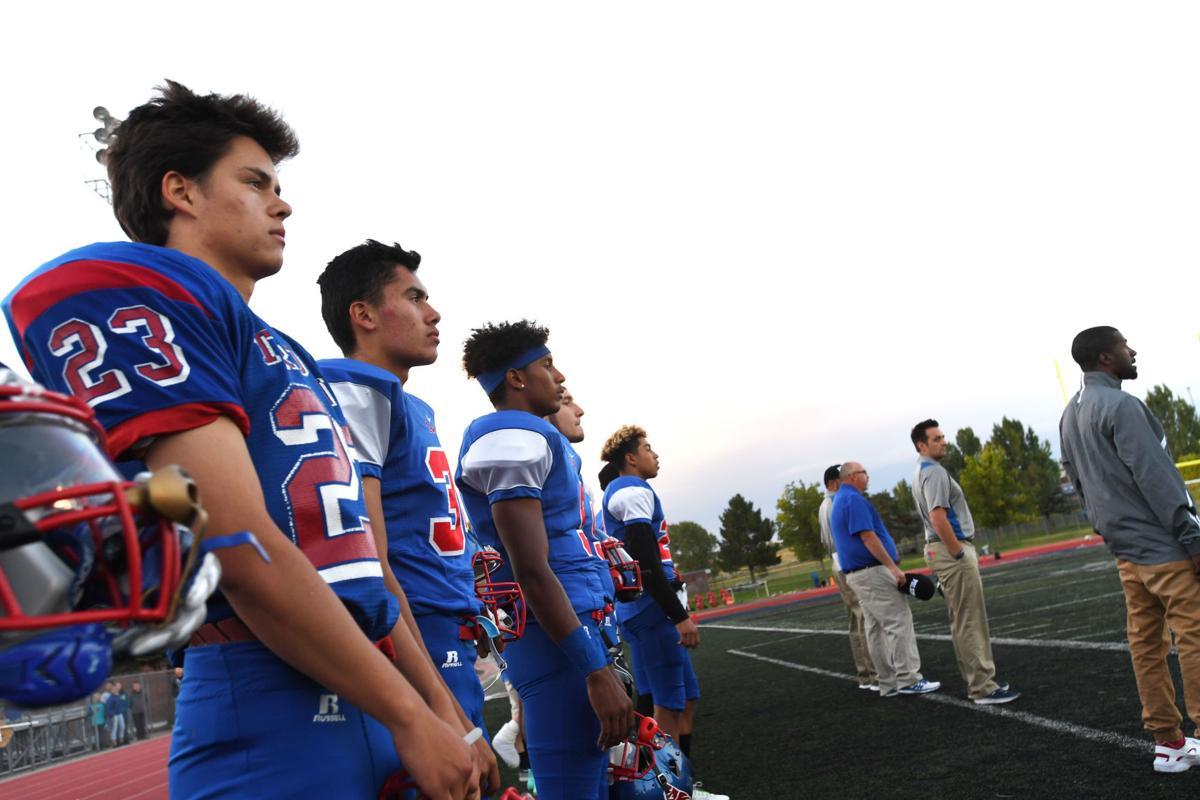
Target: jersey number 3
445,533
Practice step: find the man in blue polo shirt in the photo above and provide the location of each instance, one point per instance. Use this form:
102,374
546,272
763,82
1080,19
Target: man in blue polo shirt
868,557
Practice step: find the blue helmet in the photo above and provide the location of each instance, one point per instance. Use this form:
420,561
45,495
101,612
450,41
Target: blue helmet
650,766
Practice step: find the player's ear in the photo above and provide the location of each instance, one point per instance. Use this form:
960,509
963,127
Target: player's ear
362,315
177,192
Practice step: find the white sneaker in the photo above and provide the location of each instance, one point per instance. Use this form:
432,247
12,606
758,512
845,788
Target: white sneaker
505,743
700,794
1177,759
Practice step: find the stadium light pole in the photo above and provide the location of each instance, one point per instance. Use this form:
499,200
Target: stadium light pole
102,136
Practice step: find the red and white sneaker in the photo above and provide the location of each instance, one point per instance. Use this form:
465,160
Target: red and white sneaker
1177,759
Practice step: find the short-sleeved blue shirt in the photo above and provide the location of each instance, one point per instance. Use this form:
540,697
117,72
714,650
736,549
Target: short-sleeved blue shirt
852,514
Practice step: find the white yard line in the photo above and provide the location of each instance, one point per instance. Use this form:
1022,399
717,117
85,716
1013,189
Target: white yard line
1053,644
1055,725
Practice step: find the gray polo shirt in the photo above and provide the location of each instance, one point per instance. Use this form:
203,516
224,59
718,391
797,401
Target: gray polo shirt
934,488
1115,452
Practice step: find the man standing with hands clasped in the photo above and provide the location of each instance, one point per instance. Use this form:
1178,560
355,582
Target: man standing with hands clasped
950,553
868,557
1113,449
858,639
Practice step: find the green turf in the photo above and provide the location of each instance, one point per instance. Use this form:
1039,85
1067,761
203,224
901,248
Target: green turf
797,576
767,730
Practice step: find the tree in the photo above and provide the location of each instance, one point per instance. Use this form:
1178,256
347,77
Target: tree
796,520
994,490
692,546
1028,456
968,442
746,537
953,461
1179,421
901,519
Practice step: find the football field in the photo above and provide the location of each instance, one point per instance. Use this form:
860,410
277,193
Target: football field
782,714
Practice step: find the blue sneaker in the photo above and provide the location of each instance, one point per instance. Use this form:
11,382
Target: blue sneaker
889,693
921,687
1001,695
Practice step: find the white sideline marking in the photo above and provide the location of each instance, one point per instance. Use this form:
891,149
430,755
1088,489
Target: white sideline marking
1062,644
1058,726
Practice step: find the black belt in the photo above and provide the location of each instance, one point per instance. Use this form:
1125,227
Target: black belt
859,569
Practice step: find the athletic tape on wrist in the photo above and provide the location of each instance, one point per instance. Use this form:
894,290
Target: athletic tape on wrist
474,735
584,650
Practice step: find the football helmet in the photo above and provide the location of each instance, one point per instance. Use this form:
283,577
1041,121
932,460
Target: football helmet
502,601
89,563
626,573
649,766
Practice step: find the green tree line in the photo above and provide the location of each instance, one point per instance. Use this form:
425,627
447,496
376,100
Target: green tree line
1010,478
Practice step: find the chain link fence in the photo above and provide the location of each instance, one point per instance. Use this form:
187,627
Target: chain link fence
36,738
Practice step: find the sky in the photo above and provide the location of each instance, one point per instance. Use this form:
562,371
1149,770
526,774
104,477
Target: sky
774,235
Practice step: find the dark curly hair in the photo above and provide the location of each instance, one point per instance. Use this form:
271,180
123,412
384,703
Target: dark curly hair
495,343
360,273
188,133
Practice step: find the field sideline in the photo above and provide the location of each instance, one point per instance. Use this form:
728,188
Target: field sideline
782,715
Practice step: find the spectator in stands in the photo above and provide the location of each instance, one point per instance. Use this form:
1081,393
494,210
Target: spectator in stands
96,708
858,639
114,711
137,706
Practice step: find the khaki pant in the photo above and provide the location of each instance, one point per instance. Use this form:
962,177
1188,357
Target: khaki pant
858,637
888,623
1158,595
968,615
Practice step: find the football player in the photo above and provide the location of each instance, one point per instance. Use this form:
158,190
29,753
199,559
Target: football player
656,625
378,312
568,421
526,500
285,694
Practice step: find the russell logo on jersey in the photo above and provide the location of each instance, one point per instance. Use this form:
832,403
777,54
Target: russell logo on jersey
327,710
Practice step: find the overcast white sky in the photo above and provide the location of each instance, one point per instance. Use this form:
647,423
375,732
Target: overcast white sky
775,235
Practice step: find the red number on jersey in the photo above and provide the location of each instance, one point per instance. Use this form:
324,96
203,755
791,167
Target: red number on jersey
316,486
159,336
85,345
445,533
664,542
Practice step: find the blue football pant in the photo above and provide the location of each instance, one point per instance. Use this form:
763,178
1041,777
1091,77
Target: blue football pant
662,667
249,726
455,659
560,727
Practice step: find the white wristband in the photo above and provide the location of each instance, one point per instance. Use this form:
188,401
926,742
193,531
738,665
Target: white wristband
474,735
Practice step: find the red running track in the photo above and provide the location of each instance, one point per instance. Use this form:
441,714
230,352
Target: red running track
133,772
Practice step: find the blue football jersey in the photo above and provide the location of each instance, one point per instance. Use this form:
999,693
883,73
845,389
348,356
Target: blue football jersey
594,535
397,442
627,500
157,342
512,454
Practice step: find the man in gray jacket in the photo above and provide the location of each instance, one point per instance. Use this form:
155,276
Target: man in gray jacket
1114,451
